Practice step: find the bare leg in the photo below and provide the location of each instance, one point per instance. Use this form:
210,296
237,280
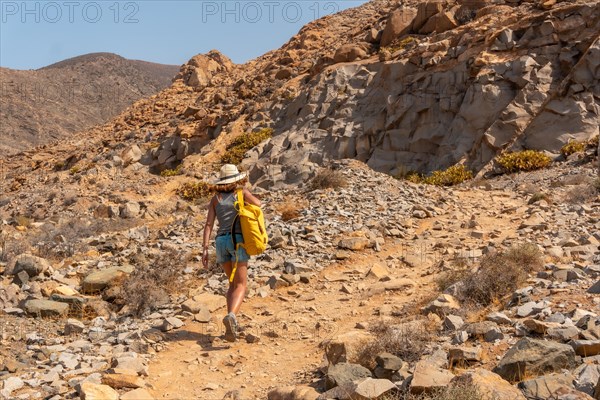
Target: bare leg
237,288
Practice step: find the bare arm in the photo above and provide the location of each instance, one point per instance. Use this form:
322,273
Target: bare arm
250,198
208,227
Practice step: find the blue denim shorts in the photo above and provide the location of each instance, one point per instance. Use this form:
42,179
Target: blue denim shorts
226,251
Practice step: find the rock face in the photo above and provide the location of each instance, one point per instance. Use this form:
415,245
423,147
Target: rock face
405,115
531,357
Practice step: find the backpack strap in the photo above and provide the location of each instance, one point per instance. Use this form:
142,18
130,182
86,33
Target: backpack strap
238,205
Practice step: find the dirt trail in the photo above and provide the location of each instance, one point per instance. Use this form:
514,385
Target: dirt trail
293,321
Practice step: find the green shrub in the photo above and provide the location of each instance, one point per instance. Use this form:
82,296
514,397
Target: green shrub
74,170
572,147
451,176
171,172
235,150
527,160
500,274
328,178
192,191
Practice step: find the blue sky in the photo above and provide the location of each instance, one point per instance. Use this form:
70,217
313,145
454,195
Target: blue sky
34,34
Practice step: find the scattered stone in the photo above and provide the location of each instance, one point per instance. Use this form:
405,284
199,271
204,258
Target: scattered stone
389,361
120,381
499,318
100,280
360,390
444,304
11,384
489,385
378,271
586,348
293,393
532,357
250,338
588,375
171,323
137,394
73,327
131,209
464,355
354,243
46,308
431,374
31,264
94,391
453,322
349,53
595,288
343,373
203,316
545,386
344,347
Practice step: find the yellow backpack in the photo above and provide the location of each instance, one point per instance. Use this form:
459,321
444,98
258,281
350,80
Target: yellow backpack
254,230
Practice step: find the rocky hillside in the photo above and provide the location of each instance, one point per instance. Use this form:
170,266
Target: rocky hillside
371,285
413,88
55,102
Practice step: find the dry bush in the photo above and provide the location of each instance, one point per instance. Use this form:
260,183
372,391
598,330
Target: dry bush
328,178
458,270
153,280
454,392
291,207
407,341
581,194
539,196
500,274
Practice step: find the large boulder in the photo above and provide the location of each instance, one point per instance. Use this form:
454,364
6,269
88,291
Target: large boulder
544,387
31,264
431,374
398,23
344,373
46,308
94,391
533,357
490,386
293,393
345,347
349,53
100,280
360,390
441,22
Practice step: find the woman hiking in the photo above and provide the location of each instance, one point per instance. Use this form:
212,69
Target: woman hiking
221,206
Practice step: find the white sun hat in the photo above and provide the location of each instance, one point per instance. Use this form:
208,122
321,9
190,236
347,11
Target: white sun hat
228,174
